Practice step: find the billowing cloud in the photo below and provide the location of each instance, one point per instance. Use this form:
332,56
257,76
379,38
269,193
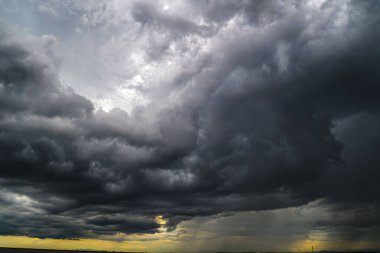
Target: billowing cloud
224,107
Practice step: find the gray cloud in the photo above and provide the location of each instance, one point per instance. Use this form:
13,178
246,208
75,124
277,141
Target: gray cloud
279,110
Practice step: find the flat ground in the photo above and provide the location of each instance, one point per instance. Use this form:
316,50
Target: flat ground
17,250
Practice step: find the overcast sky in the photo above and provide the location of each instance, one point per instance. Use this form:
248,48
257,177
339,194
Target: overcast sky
190,125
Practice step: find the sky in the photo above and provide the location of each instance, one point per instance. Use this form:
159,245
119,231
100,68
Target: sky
190,125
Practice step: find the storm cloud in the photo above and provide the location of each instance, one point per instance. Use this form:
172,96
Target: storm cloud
241,106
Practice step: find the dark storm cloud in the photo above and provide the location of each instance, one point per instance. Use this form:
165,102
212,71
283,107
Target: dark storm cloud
288,114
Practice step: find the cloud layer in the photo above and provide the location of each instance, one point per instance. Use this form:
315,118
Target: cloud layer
232,106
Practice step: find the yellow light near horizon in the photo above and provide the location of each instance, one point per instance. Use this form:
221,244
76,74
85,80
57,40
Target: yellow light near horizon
85,244
161,243
334,245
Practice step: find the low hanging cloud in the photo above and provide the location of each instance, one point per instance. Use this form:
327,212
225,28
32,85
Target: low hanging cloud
276,105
